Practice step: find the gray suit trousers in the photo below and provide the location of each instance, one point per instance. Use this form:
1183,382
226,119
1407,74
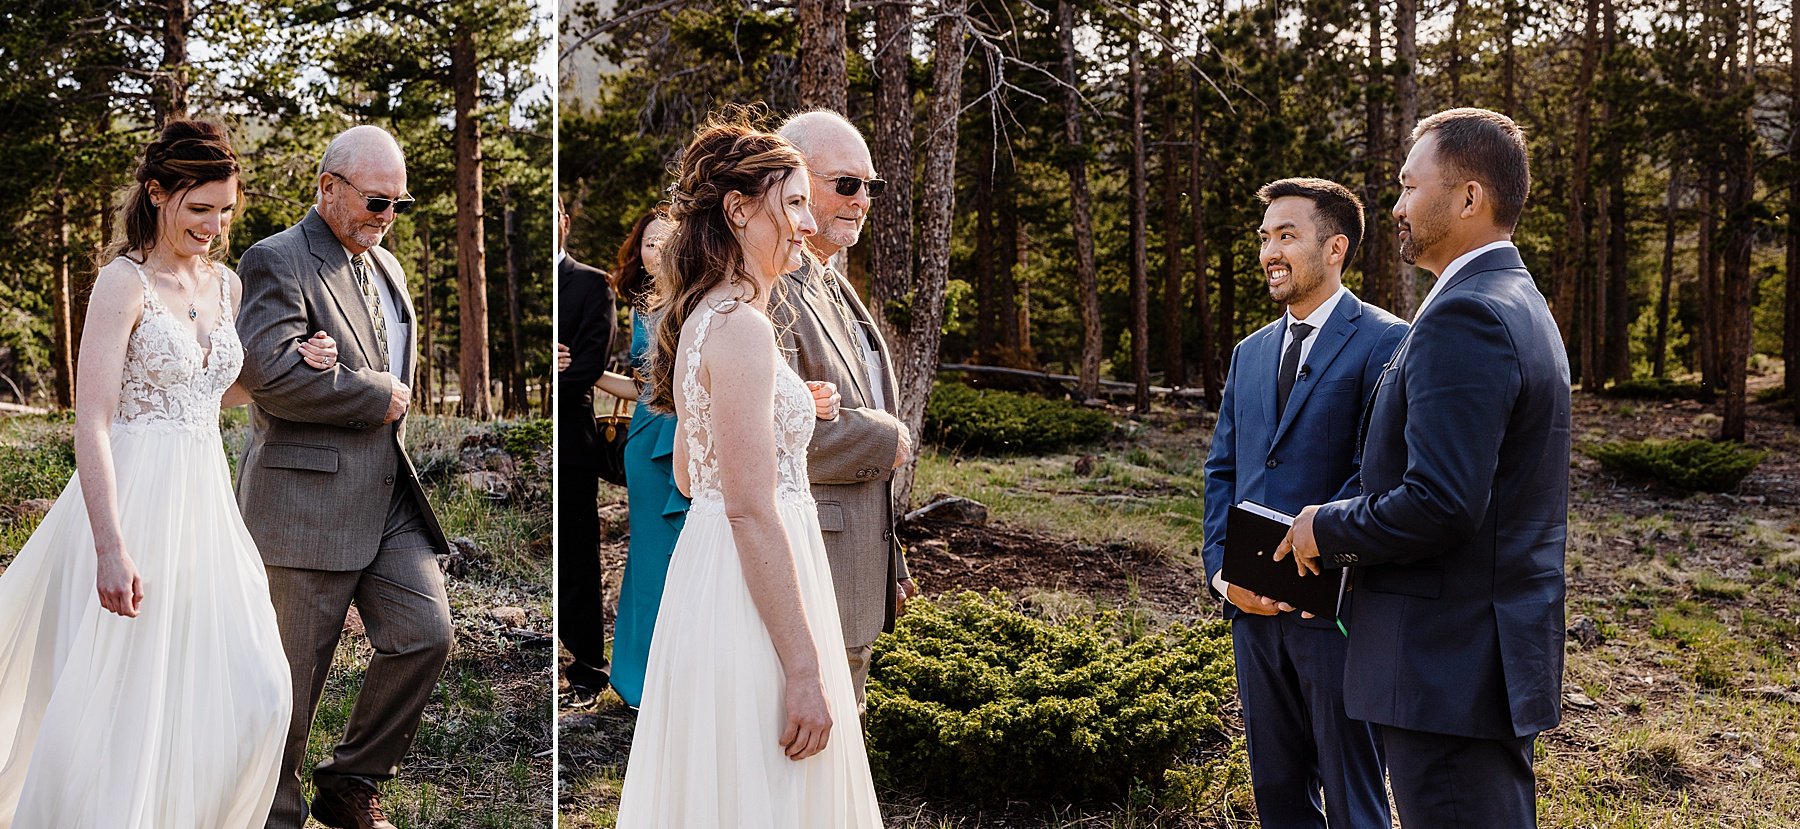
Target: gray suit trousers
406,614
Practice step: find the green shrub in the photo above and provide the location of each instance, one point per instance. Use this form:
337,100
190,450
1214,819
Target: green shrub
1656,388
1711,466
986,420
975,699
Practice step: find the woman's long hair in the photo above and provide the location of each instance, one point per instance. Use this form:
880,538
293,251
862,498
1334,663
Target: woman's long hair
701,253
185,155
631,280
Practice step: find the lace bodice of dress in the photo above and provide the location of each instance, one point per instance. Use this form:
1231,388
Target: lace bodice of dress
793,430
170,381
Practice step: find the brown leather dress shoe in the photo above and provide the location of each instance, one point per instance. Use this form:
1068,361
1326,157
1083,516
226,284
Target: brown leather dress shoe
350,806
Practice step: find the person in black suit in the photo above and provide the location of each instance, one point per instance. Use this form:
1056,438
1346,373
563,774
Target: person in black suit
1286,437
585,321
1456,647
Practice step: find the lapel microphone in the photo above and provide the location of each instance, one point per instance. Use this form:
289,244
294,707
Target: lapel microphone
1304,370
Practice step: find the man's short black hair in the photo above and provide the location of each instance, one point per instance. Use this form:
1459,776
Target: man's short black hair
1485,146
1335,208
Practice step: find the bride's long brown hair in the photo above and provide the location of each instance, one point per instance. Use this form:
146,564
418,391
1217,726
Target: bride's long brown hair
701,253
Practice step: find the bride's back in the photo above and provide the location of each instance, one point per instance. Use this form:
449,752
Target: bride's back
727,354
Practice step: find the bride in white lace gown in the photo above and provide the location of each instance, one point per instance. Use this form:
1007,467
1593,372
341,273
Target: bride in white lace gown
748,717
142,681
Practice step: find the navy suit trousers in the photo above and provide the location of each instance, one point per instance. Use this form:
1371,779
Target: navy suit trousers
1291,681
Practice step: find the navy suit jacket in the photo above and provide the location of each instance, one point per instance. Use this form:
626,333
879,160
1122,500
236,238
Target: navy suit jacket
1459,535
1308,457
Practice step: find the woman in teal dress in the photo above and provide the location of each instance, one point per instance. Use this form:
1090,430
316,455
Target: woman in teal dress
657,509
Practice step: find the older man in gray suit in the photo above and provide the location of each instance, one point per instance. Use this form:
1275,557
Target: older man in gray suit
325,484
831,337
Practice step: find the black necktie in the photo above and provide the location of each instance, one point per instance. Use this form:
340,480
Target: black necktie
1290,365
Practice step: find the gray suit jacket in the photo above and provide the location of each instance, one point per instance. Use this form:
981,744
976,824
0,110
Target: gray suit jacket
851,458
319,470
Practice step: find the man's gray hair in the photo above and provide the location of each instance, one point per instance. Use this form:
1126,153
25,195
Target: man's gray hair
351,145
808,130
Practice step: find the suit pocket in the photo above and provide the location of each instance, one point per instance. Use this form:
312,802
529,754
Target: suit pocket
831,516
1423,583
300,456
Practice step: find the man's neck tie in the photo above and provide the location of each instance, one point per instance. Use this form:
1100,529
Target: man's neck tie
372,298
1290,365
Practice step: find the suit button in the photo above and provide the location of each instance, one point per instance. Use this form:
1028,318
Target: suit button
357,424
389,480
887,535
1272,463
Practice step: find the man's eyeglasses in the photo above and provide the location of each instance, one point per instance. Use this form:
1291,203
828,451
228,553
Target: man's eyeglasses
377,204
848,185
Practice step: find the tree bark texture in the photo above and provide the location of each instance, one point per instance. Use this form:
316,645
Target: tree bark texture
824,78
1140,268
471,242
170,99
1209,369
1659,350
1406,88
1080,207
915,349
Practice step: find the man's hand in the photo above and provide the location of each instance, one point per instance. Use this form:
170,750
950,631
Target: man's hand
904,589
563,357
904,451
401,401
1251,602
1300,541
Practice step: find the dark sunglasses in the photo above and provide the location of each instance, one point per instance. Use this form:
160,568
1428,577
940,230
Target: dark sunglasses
848,185
377,204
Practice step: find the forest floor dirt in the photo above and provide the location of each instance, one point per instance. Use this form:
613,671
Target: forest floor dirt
1682,699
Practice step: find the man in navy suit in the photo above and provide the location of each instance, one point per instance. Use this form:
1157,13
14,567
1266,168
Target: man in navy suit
1286,438
1456,650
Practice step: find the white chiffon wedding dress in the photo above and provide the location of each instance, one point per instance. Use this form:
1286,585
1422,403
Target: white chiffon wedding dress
174,719
705,752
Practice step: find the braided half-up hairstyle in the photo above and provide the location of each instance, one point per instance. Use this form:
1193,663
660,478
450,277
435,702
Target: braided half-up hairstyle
185,155
700,253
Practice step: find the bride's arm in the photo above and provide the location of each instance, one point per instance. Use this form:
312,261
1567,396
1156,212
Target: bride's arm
115,308
740,360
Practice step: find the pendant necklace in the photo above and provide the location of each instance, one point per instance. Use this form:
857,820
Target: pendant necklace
187,294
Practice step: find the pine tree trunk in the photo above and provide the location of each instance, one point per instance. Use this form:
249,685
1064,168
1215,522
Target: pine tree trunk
1406,293
1509,25
471,243
987,292
1618,300
891,216
1209,368
915,349
1377,281
1708,258
1575,271
824,79
1790,339
427,323
1740,190
1659,350
1086,275
61,321
1140,268
515,311
1014,315
170,99
1174,369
